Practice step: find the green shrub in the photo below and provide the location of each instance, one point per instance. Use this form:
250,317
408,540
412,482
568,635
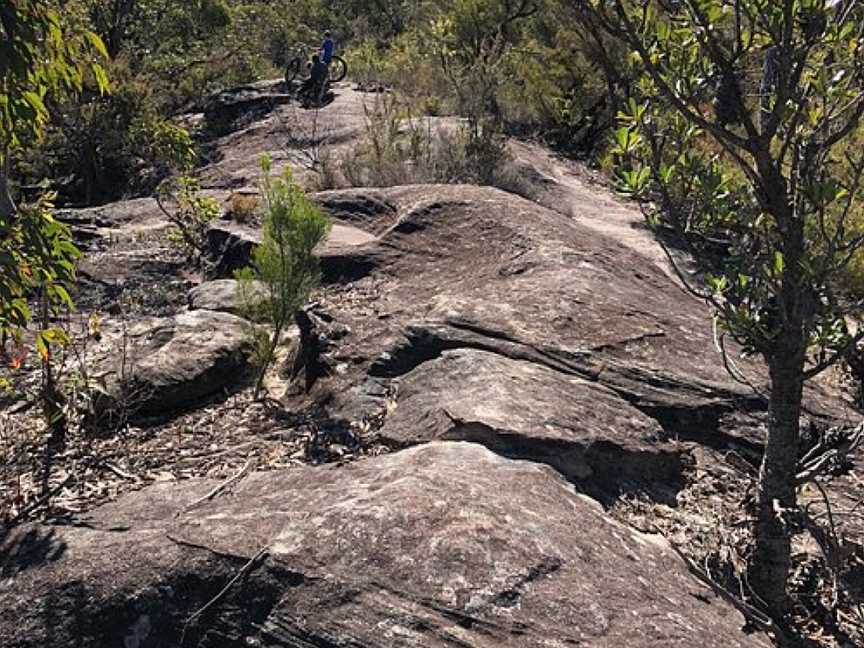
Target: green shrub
284,268
189,213
399,147
407,65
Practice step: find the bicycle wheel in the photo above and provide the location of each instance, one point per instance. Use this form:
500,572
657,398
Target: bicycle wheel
338,69
292,70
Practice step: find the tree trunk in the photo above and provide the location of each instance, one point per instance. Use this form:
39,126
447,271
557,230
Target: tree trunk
769,567
7,204
771,559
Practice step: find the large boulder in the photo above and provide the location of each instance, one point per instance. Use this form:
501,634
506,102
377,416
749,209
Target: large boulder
446,544
161,364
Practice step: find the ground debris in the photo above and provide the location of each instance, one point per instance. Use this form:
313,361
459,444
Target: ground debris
711,525
215,441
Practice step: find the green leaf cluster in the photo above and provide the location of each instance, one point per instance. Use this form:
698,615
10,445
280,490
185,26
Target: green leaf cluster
37,254
772,165
284,267
40,56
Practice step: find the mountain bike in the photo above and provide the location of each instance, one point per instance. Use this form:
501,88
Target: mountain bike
338,68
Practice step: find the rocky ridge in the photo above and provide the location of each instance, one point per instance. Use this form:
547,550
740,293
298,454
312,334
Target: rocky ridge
522,358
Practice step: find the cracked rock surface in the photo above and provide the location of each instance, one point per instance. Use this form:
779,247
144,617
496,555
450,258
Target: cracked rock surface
464,267
445,544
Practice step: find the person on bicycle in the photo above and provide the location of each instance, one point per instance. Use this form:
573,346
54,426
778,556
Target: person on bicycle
327,48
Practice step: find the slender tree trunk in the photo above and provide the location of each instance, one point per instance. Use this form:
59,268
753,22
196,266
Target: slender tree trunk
52,404
7,204
771,560
267,360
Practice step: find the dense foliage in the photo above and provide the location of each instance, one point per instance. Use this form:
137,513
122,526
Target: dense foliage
530,64
40,57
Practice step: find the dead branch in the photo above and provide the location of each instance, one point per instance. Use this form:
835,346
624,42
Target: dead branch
752,614
245,569
732,369
221,487
812,467
120,473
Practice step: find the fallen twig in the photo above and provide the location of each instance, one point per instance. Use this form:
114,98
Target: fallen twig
213,455
204,547
245,569
120,473
221,487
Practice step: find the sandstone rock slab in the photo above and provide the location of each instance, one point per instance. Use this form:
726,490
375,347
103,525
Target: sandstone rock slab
137,215
260,118
222,295
369,209
466,267
229,110
524,410
445,544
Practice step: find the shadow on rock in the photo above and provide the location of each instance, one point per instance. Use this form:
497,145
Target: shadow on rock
26,548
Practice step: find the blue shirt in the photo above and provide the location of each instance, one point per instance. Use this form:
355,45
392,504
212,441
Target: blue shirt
327,50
